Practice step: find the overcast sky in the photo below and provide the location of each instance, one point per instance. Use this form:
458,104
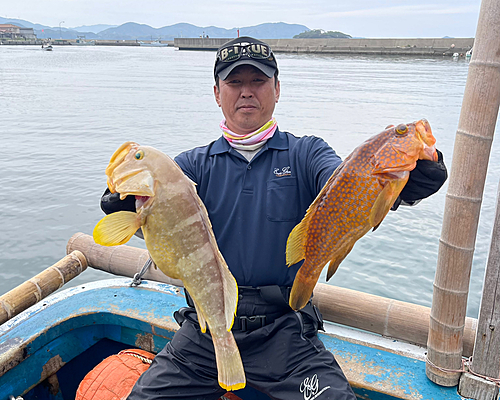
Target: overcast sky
358,18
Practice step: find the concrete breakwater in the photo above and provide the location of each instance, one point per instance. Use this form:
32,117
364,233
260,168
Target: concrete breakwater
427,47
68,42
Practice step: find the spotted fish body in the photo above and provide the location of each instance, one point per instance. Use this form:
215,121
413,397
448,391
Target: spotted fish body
180,240
355,199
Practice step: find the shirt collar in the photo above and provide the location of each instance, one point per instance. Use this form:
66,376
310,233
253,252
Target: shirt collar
278,141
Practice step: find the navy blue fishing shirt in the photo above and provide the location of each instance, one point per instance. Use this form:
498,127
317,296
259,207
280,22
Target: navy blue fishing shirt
253,206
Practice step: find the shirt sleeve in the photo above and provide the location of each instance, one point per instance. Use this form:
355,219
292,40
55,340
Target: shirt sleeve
185,162
322,161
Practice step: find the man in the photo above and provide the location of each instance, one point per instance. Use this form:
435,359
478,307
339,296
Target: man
256,183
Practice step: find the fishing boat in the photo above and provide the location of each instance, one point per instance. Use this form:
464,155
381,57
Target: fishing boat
81,41
47,349
155,43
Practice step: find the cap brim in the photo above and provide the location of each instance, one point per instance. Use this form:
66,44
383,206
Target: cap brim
266,69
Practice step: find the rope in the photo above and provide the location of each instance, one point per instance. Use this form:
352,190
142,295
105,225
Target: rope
466,367
138,277
142,358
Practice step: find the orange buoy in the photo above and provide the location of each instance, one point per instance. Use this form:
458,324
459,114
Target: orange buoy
115,376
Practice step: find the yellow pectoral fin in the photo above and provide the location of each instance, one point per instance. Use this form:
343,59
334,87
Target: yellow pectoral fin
116,228
385,200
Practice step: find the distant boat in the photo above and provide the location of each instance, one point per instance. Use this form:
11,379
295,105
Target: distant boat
80,41
156,43
47,48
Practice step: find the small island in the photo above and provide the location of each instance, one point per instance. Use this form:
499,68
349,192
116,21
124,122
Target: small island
321,34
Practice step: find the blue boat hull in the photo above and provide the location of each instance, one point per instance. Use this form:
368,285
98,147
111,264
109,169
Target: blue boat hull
67,334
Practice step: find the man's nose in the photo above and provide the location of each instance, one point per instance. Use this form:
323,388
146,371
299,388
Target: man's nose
246,91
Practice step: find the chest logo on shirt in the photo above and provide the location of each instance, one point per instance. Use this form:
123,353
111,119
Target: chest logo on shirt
285,171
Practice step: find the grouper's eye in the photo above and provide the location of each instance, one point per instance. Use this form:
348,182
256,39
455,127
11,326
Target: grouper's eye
401,129
139,155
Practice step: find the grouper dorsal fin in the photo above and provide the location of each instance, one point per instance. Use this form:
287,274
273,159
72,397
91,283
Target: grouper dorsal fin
117,228
230,294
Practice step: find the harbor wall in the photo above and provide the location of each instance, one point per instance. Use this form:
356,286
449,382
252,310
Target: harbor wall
68,42
413,46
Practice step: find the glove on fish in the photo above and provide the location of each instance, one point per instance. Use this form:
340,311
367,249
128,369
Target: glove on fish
110,202
424,181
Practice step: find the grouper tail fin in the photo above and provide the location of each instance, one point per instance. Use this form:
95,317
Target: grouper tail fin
303,287
229,364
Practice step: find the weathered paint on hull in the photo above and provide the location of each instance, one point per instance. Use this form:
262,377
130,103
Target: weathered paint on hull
55,332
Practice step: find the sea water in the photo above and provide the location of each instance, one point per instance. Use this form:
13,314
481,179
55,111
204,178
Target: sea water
63,114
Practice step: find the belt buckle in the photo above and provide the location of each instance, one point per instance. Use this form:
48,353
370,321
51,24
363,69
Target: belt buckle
252,323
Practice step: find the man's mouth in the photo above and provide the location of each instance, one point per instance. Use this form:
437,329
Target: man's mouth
247,107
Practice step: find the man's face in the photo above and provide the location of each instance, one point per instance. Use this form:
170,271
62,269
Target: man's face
247,98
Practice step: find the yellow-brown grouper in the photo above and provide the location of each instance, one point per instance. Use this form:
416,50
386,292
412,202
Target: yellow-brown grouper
180,240
355,199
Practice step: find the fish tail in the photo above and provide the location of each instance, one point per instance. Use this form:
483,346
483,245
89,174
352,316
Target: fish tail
302,288
229,364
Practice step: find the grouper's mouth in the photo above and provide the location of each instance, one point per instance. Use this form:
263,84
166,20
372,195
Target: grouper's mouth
137,182
424,134
142,202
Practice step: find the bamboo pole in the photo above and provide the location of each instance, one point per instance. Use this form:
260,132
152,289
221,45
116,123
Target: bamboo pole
486,356
387,317
396,319
41,285
463,201
117,260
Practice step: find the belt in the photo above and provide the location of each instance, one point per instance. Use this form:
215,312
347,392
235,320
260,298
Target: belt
276,295
245,323
273,294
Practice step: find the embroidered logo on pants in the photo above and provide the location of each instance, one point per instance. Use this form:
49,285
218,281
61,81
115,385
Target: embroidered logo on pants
310,388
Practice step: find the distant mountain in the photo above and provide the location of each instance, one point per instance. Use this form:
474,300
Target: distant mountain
44,31
277,30
63,33
131,31
134,31
23,23
93,28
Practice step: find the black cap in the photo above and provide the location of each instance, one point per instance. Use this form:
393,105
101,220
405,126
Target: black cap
244,50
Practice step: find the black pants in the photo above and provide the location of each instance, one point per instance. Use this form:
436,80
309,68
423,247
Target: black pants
283,359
